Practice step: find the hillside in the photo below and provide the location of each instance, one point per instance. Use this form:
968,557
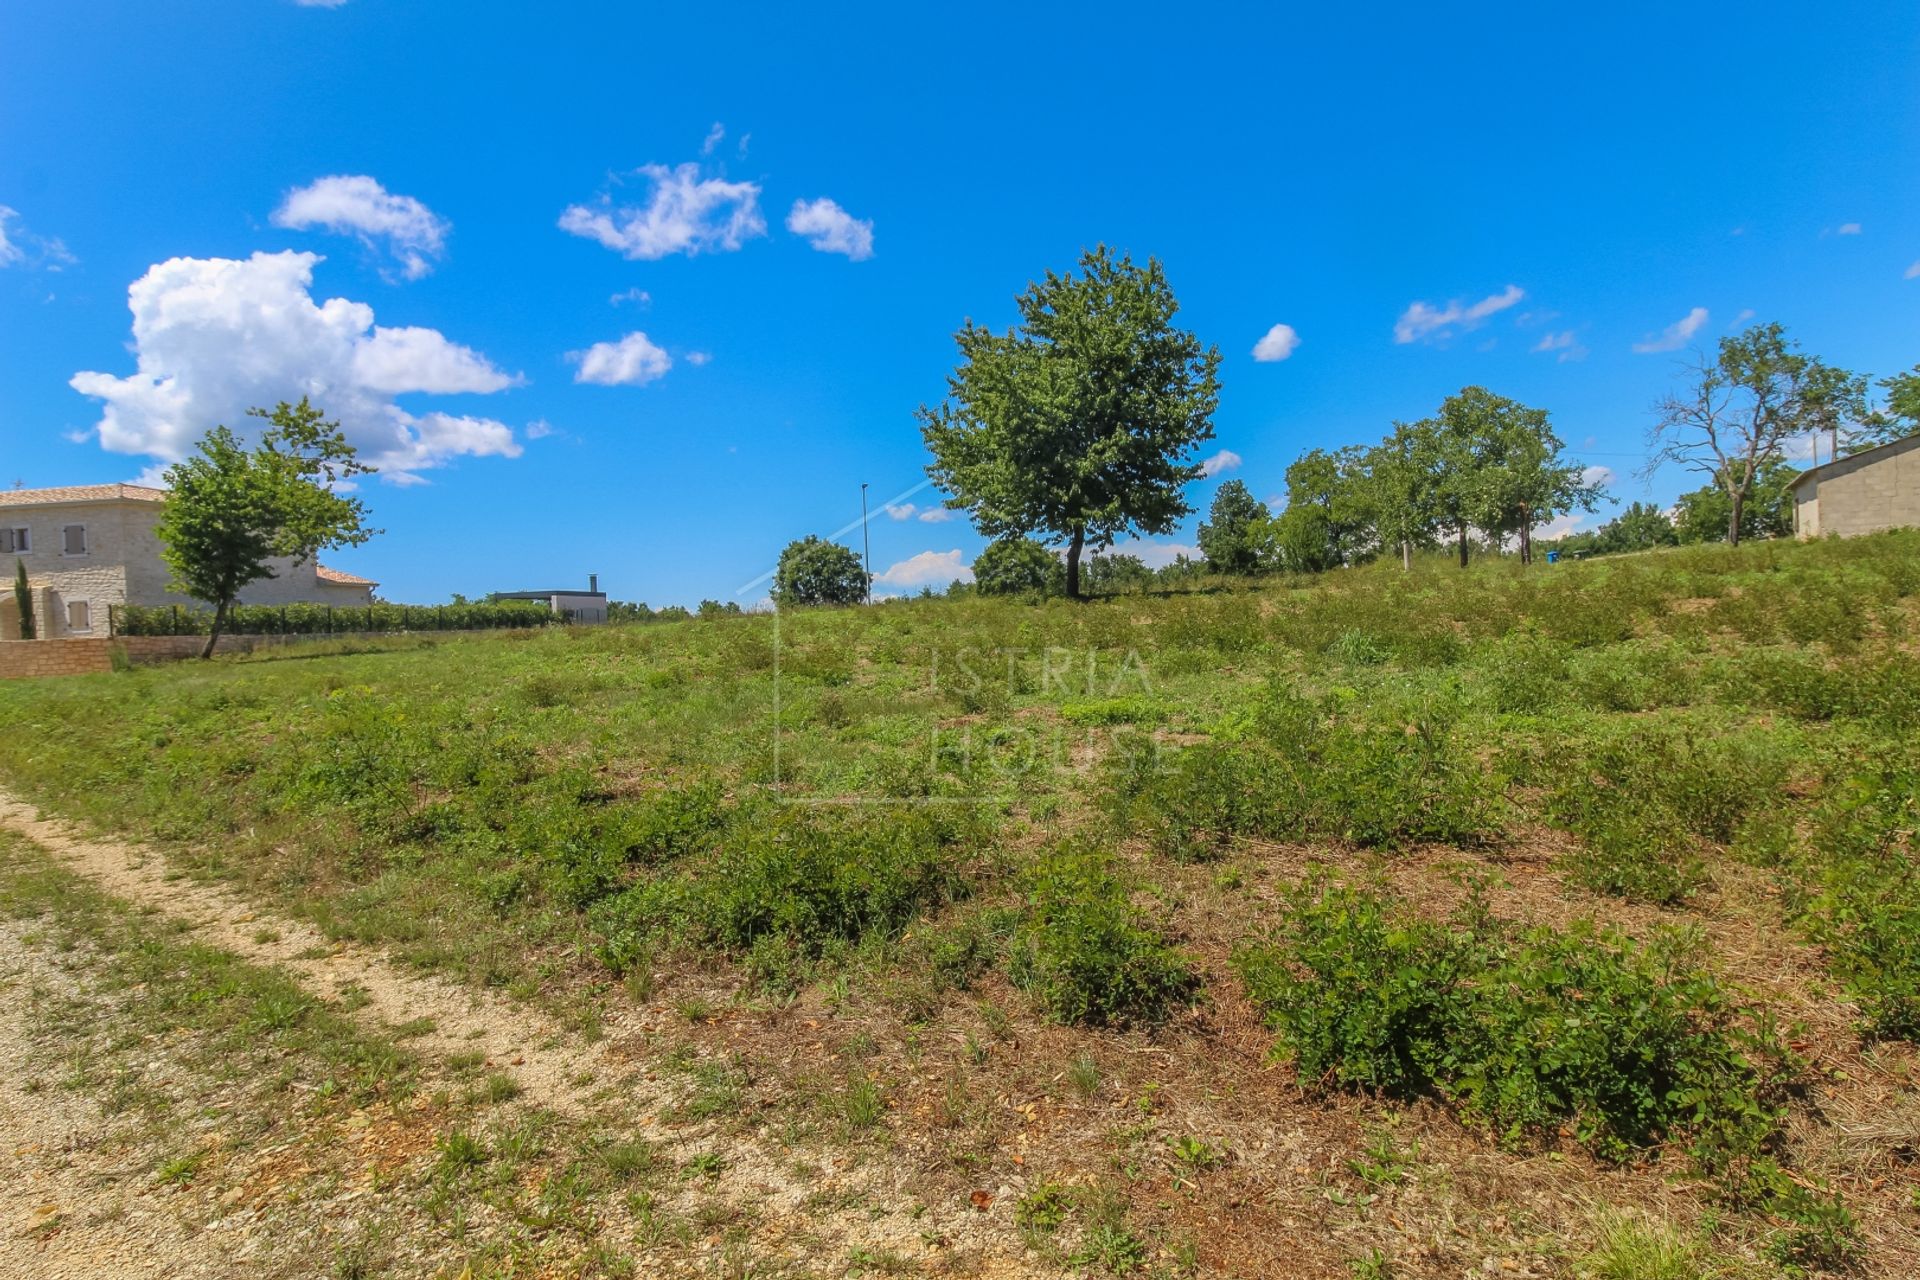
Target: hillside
1553,921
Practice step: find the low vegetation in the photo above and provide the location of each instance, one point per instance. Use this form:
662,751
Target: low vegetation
1564,914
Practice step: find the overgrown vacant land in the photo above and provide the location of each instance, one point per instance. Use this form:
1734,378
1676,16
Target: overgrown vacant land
1557,921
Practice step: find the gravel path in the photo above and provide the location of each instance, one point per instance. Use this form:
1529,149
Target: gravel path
78,1202
552,1069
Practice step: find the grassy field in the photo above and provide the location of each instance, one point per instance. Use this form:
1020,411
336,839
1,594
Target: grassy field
1557,921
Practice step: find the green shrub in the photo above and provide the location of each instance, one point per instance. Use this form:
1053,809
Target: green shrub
1865,899
1524,1030
1305,770
787,884
1086,953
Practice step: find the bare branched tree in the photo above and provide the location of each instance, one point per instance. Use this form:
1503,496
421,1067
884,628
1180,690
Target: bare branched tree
1742,405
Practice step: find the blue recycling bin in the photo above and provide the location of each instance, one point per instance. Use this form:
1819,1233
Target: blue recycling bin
1553,557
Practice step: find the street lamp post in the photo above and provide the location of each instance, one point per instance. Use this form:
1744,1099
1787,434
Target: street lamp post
866,548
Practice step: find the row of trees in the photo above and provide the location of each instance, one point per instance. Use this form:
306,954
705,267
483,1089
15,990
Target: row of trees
1482,463
1080,424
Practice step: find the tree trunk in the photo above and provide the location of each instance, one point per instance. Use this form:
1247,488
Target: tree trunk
1463,544
1073,562
213,635
1733,521
1526,543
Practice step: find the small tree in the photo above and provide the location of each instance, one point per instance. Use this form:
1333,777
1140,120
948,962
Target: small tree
1516,479
1080,421
1900,419
1326,521
1744,404
1401,479
1237,531
1110,574
23,600
231,511
1703,515
814,571
1016,566
1640,527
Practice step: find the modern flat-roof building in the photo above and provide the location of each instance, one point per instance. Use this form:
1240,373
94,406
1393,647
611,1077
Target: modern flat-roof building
1864,492
589,606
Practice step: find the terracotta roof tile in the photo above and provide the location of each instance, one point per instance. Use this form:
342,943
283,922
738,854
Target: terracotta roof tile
340,579
81,493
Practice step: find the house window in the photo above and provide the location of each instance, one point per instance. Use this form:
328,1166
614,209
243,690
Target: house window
79,616
73,540
19,540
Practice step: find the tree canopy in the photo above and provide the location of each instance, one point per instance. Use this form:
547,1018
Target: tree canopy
815,571
231,511
1741,406
1236,535
1078,423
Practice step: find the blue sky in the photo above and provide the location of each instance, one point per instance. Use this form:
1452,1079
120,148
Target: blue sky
1516,198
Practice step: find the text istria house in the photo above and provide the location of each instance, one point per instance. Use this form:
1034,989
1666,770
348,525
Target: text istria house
89,547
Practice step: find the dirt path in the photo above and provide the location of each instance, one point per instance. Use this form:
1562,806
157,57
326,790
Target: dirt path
553,1068
79,1203
533,1049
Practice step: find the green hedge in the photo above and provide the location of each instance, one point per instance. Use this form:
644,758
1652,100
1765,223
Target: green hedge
326,619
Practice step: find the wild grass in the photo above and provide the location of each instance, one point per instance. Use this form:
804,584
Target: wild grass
982,817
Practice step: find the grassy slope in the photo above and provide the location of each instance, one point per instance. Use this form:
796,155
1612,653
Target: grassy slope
1654,741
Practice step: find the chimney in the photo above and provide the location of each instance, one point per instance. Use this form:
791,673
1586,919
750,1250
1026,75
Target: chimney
593,583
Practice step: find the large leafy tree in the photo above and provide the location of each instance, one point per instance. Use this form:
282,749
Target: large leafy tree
1078,423
815,571
1401,478
1742,405
1235,535
231,510
1513,478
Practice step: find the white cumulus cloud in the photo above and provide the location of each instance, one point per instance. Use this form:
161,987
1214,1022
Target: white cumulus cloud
354,204
1424,322
1602,476
1155,555
1912,272
1225,460
936,515
929,568
831,229
633,361
1674,336
900,510
683,213
213,337
1847,229
1276,344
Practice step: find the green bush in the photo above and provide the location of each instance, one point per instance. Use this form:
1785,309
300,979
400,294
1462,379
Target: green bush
1086,953
1865,896
1298,770
1524,1030
788,885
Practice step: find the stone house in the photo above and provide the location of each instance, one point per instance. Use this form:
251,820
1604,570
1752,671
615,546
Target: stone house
1864,492
90,547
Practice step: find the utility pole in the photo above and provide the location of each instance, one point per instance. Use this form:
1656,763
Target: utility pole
866,548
